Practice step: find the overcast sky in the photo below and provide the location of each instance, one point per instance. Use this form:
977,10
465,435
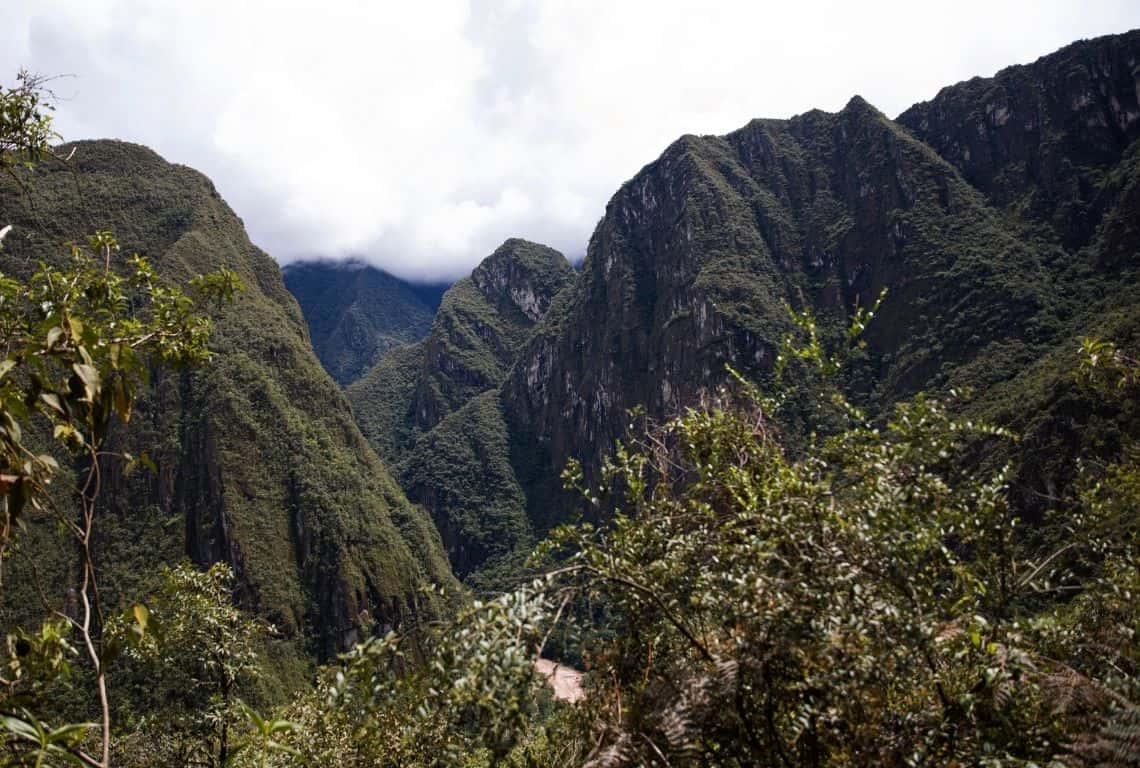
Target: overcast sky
419,135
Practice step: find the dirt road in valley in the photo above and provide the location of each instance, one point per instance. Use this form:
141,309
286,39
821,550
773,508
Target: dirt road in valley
566,681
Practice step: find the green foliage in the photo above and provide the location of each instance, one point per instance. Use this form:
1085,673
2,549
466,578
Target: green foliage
475,336
1101,628
188,656
265,740
468,700
1104,367
466,353
786,580
818,611
871,601
80,343
84,338
26,131
463,466
39,746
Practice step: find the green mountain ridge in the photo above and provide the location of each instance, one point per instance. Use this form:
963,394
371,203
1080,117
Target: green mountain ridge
1002,237
410,402
258,460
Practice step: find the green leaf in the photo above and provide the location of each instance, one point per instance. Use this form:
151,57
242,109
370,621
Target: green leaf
122,400
89,376
142,616
52,401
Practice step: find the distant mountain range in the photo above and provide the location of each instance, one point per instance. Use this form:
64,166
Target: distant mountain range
356,312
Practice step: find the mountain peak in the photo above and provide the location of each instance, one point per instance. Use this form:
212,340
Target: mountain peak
857,106
523,274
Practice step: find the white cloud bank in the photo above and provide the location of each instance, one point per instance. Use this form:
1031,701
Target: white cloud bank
419,135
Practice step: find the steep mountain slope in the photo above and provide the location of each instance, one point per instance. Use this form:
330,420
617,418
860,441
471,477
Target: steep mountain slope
481,324
356,313
1004,229
1054,146
258,461
461,472
697,255
434,409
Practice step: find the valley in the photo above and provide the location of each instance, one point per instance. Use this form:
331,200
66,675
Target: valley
825,454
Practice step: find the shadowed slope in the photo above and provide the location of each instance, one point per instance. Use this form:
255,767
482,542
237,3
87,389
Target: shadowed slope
258,460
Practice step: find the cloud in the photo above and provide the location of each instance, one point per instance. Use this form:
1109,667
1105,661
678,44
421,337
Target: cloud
420,135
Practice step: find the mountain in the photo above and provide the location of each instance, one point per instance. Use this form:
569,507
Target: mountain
356,312
1039,140
1001,217
413,401
690,266
697,256
258,461
1054,147
481,324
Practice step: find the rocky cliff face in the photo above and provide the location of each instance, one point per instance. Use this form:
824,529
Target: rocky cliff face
1038,139
258,460
1001,217
522,277
356,313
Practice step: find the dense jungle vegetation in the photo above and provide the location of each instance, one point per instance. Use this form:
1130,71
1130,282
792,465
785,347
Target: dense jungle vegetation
774,574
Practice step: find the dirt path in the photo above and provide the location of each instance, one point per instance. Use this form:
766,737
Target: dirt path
566,681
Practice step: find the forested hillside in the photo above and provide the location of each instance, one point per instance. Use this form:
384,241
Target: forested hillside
257,461
356,313
429,409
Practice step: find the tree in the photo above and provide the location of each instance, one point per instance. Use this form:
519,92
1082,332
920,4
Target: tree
867,599
188,655
1096,638
26,129
465,697
79,343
